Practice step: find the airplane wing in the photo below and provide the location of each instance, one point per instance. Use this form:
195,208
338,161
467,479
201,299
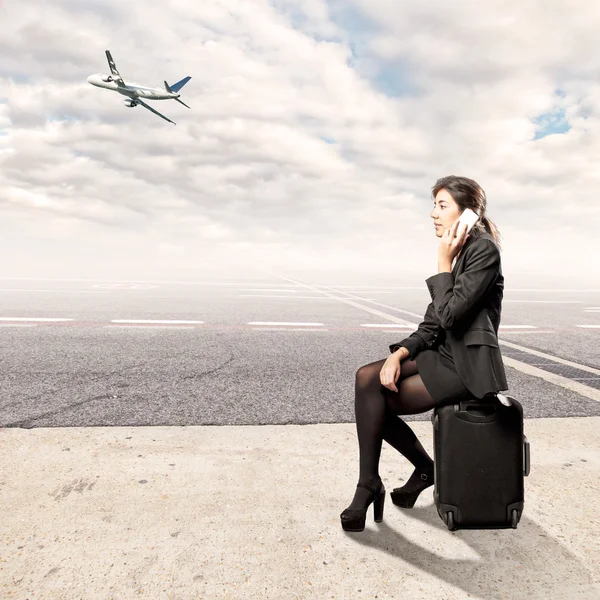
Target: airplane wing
113,68
152,110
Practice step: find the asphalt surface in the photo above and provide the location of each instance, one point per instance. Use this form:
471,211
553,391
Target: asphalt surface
267,348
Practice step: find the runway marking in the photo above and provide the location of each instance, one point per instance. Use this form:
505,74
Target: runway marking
100,280
54,291
289,297
34,319
124,286
17,325
572,291
520,366
535,331
148,327
373,311
286,329
237,283
283,323
368,292
155,321
511,332
547,301
266,290
385,325
565,382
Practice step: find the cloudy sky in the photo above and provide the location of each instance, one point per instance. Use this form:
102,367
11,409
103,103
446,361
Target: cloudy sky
315,134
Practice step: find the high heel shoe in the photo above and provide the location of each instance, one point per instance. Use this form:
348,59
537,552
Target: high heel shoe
407,499
354,519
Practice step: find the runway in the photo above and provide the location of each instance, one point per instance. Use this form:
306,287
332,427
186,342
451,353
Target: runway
255,350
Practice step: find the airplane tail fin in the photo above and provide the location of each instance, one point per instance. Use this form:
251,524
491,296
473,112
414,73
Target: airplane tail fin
176,86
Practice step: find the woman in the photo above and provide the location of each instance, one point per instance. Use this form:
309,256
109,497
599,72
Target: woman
467,297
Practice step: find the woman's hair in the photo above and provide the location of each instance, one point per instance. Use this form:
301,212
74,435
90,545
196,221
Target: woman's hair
468,194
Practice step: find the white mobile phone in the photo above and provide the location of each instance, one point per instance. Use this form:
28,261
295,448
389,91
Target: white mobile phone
469,217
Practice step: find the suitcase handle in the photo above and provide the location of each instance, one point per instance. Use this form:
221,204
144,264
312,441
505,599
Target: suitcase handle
527,459
479,413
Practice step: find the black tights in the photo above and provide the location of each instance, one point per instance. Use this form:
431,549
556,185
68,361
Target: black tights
377,409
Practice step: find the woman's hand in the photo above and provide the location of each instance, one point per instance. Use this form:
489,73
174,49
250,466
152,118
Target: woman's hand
390,372
450,246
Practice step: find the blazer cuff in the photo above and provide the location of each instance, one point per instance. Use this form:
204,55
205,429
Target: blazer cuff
439,284
412,345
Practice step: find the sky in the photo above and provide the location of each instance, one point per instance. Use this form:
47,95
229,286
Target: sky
316,132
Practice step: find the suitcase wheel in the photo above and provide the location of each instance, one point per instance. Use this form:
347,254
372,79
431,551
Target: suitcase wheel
515,518
450,520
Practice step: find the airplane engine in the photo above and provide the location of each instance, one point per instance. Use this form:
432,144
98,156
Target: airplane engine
130,103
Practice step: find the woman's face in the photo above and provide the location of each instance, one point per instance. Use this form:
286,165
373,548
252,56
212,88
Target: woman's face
445,212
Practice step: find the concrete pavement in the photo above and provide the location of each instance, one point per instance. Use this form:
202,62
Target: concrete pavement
207,512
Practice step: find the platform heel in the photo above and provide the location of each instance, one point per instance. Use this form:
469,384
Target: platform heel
354,519
407,499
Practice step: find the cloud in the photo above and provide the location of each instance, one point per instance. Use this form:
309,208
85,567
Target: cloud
315,133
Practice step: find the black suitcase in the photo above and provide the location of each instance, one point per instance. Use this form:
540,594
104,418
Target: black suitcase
480,458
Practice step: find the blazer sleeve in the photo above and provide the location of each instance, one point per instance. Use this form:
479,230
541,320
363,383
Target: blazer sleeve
455,300
423,337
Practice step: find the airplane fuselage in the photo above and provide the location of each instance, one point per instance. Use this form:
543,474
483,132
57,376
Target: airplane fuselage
130,88
134,92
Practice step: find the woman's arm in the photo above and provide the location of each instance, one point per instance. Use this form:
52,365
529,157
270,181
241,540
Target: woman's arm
454,300
422,338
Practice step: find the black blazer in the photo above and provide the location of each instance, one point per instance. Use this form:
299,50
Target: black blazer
467,304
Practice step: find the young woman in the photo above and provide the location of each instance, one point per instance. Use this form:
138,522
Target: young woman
453,355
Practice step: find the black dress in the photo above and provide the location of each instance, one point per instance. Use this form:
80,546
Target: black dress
437,370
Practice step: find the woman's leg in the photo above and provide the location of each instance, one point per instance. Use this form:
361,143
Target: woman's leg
376,408
397,432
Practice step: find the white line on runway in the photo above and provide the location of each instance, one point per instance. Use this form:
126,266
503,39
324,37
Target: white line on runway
289,297
589,326
164,321
547,301
237,283
562,361
386,325
531,331
59,291
350,302
266,290
34,319
568,384
127,281
286,329
520,366
546,290
148,327
511,332
282,323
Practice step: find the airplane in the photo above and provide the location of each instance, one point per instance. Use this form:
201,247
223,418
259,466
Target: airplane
136,91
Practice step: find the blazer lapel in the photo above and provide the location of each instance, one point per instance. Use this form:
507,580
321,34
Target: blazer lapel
474,234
